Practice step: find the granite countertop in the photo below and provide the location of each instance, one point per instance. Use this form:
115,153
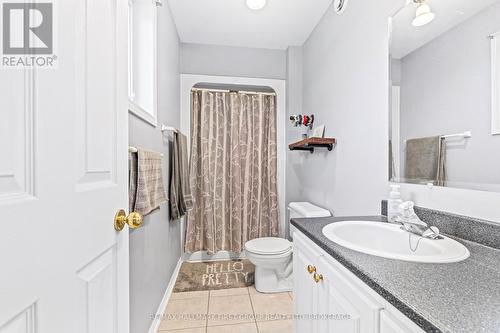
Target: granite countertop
461,297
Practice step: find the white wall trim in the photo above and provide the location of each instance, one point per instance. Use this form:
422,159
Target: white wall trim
149,116
279,86
142,114
166,297
203,256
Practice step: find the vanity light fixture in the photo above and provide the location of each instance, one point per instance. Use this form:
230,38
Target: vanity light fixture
424,15
256,4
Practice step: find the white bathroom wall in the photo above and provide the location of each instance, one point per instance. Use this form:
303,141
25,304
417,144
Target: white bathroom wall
346,85
233,61
155,248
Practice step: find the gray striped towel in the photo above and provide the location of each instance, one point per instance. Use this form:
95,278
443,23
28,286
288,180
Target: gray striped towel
146,188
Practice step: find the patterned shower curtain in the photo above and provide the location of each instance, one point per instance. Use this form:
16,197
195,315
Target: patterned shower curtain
233,170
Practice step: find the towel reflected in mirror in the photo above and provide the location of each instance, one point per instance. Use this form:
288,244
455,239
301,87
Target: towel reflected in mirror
426,160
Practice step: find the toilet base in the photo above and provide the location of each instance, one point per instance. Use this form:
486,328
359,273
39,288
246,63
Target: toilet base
266,281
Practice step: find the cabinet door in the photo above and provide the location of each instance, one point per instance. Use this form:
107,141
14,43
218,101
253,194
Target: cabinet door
344,307
304,289
396,322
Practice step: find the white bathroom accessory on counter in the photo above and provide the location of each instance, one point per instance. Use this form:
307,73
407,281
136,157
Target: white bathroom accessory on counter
393,203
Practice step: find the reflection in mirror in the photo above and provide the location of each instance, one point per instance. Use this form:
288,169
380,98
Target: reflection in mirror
445,95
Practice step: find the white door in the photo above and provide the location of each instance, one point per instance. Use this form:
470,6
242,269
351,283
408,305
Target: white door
63,176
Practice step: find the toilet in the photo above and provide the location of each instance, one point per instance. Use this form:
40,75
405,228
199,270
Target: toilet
272,256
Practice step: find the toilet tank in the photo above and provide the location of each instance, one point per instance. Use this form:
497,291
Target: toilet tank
305,210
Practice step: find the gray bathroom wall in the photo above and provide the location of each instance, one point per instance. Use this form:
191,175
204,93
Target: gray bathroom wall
446,89
396,72
346,87
294,101
294,87
233,61
155,248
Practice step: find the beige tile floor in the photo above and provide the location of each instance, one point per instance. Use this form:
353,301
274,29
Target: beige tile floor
240,310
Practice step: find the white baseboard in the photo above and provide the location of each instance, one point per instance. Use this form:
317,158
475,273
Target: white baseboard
204,256
161,308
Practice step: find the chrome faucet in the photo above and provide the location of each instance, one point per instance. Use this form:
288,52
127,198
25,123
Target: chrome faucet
412,223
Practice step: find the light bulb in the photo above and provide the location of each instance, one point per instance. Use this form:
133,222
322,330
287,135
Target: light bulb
256,4
423,15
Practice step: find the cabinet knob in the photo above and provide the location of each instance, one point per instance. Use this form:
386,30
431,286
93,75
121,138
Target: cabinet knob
311,269
317,277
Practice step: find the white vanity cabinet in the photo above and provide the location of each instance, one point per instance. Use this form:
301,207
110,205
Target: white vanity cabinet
351,309
392,321
330,299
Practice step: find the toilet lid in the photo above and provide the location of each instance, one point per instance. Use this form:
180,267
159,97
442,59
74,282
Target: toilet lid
268,245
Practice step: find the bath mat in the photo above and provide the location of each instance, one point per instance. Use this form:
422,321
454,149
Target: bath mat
215,275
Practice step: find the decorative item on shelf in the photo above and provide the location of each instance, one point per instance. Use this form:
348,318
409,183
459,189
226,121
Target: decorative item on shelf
296,120
302,120
318,132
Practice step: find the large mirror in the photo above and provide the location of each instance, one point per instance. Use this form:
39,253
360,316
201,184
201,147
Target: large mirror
445,94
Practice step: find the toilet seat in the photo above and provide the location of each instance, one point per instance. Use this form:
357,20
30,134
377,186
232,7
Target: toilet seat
268,246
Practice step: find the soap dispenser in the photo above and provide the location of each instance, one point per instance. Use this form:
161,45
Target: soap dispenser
394,202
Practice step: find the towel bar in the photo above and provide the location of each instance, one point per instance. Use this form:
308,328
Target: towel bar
134,150
464,135
165,128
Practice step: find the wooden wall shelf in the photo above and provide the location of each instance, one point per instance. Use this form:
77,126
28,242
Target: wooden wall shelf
311,143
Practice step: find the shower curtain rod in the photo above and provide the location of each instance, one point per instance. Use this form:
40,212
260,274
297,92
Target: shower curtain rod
238,91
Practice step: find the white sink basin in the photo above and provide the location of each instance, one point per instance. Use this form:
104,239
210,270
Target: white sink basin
390,241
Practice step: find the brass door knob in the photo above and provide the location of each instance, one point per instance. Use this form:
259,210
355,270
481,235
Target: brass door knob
134,220
311,269
317,277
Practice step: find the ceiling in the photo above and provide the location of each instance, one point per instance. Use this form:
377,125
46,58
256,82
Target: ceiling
280,24
449,13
